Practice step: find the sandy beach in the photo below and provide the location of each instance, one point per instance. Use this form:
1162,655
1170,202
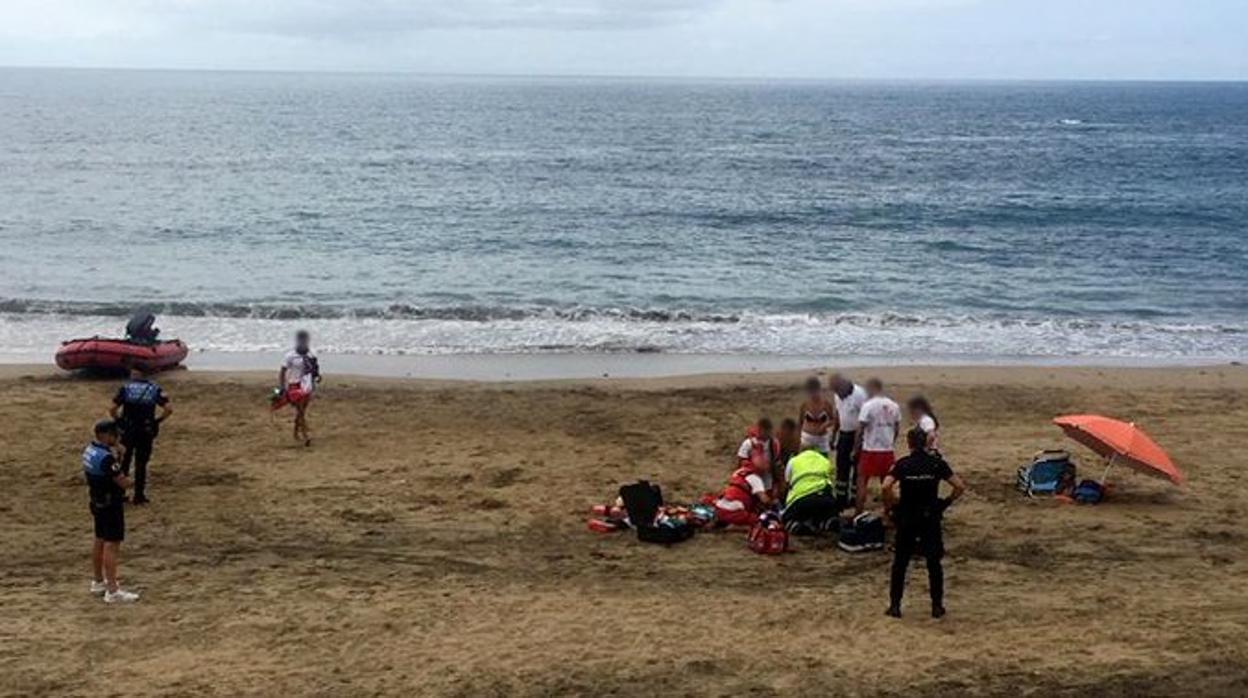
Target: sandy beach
433,542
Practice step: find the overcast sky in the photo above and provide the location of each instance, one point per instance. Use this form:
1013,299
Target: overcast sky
1157,39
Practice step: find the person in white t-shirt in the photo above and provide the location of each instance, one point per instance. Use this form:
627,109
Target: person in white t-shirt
879,422
849,398
924,418
297,380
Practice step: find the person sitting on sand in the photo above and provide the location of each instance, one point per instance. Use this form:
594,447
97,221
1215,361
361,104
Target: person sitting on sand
297,380
810,505
925,419
918,515
878,424
818,417
748,493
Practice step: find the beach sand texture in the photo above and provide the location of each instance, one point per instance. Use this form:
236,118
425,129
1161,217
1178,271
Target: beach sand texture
432,542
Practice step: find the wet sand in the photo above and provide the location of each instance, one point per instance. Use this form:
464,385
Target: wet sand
432,542
592,366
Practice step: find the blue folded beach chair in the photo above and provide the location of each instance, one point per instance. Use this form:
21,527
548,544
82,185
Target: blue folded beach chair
1048,473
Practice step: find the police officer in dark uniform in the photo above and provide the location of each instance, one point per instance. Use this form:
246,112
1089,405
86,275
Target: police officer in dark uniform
107,485
135,406
918,516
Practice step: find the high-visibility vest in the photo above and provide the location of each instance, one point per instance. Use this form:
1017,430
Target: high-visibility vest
809,472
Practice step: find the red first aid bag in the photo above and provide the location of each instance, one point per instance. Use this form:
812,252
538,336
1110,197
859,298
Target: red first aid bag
766,540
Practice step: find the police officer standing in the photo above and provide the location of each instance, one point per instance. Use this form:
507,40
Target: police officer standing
107,485
135,406
918,516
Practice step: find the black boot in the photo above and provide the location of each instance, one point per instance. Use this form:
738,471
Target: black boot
893,611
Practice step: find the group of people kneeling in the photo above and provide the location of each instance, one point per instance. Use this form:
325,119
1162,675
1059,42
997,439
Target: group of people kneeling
816,469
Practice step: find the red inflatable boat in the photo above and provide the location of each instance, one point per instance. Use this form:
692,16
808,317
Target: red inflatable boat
104,354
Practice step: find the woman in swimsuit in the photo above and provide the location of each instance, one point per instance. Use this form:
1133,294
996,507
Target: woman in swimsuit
817,417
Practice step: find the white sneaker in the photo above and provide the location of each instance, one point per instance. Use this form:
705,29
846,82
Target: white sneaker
120,596
98,588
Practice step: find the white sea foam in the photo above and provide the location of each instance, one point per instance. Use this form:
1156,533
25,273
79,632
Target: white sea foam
886,335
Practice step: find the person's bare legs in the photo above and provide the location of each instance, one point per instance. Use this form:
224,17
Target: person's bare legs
860,493
301,424
97,560
109,556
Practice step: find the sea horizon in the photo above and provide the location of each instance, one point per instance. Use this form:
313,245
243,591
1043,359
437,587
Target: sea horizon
452,75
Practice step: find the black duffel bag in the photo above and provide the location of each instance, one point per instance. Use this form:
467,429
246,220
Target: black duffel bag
643,501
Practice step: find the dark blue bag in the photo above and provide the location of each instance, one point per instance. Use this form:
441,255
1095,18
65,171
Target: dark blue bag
864,533
1089,492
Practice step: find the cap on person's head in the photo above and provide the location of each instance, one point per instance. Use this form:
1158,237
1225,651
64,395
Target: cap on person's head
105,426
302,336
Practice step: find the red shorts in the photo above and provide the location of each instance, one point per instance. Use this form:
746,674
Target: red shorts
875,463
296,395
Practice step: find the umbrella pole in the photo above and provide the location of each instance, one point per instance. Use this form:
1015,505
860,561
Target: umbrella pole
1110,464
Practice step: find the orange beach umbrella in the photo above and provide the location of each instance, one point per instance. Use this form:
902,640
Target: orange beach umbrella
1120,442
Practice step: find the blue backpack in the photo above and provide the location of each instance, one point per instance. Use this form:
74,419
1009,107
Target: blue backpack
1048,473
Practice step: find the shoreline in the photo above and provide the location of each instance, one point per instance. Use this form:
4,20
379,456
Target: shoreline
489,368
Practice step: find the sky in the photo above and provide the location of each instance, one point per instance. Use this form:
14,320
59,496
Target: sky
906,39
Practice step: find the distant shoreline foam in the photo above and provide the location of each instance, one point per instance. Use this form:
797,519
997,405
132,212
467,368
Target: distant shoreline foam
621,338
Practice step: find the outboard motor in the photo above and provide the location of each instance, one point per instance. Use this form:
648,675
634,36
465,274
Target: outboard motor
141,330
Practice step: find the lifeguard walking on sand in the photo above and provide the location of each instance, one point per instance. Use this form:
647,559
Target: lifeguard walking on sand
297,381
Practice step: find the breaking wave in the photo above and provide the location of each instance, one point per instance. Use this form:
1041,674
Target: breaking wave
35,327
316,311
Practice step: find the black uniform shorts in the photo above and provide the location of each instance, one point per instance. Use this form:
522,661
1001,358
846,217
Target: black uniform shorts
110,523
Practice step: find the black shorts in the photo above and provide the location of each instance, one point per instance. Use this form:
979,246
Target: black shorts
110,523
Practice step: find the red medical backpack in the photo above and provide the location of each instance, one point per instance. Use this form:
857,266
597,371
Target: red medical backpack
769,539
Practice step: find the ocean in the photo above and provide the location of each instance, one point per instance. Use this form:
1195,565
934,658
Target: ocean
409,215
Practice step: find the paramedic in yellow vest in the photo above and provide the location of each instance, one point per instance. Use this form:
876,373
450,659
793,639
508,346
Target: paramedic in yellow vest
810,506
